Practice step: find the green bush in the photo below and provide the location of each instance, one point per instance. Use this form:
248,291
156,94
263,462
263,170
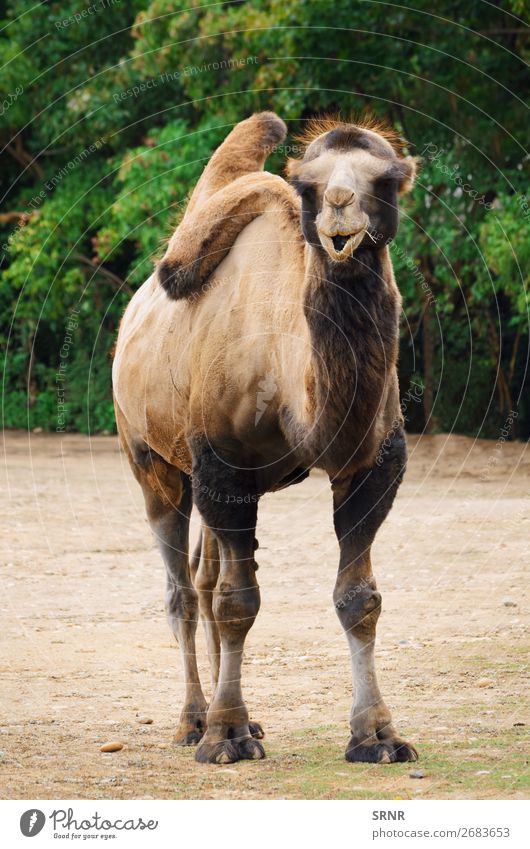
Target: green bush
109,119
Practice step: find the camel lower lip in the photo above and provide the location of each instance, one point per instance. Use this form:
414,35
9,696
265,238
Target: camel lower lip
341,246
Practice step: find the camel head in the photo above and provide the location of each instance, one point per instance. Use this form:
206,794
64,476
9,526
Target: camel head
349,180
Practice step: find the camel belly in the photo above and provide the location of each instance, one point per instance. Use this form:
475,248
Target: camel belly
148,389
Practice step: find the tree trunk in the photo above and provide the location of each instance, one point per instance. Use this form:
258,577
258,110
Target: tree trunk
502,384
431,422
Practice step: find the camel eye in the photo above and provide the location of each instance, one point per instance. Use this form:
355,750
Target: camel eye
386,187
386,182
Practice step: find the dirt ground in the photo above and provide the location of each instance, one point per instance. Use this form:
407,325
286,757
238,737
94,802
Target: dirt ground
85,649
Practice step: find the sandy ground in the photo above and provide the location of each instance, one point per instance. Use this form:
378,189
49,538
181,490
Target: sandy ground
85,648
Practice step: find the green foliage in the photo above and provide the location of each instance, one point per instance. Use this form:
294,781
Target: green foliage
152,181
110,111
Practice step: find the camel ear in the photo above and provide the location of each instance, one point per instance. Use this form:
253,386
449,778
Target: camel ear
409,167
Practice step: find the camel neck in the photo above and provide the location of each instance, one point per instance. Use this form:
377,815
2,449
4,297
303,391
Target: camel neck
352,315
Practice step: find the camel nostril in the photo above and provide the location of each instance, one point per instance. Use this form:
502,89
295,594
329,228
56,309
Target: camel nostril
339,242
339,196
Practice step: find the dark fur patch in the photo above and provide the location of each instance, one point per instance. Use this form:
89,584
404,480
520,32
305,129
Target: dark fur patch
296,476
353,321
179,281
371,493
382,210
348,137
225,495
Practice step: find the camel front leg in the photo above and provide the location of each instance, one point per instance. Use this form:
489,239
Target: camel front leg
361,505
227,499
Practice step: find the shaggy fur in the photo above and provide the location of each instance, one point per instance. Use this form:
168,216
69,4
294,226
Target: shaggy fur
317,127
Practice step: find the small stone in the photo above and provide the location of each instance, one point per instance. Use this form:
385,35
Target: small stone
116,746
416,773
485,682
483,772
145,720
509,602
37,430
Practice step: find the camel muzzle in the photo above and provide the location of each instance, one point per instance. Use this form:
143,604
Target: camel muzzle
341,244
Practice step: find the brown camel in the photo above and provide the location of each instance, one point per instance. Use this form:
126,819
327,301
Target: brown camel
265,345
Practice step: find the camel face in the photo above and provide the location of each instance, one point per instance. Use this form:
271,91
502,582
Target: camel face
349,181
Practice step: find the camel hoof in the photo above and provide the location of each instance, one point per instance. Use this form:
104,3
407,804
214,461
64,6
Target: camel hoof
229,751
250,749
190,738
404,751
191,729
220,752
256,730
389,752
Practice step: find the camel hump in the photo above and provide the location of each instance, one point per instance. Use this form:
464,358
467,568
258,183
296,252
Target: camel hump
244,151
204,238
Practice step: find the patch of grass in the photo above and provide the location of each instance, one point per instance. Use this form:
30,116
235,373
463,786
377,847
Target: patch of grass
489,768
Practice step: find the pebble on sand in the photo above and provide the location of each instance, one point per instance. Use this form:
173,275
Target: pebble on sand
416,773
509,602
485,682
112,747
145,720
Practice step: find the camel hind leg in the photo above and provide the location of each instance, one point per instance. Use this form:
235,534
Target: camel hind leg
205,582
205,570
168,501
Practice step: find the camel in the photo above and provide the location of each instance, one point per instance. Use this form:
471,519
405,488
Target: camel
264,345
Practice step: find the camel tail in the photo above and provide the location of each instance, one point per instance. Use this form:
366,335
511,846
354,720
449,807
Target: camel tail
244,151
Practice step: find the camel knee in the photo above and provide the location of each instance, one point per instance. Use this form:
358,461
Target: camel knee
181,604
235,608
358,608
392,457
